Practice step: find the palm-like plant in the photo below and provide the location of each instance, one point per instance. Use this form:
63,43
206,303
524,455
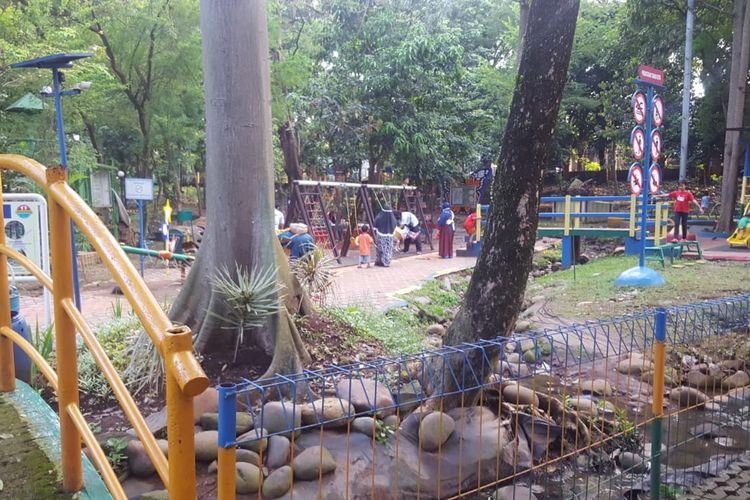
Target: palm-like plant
250,298
315,275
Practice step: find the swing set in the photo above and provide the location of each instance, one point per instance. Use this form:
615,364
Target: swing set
310,200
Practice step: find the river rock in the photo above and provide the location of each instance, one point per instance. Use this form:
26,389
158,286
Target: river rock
391,421
367,395
253,440
514,492
733,364
436,330
529,356
739,379
671,377
687,396
740,393
332,412
278,482
248,478
279,451
517,370
708,430
209,421
155,495
207,446
700,380
518,394
584,406
365,425
435,429
513,358
597,386
409,396
281,417
634,365
138,460
633,462
207,401
523,326
241,455
309,464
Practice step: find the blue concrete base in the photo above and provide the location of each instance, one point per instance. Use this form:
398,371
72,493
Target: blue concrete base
639,277
472,250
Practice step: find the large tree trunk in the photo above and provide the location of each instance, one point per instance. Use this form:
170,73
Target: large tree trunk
523,21
239,188
735,113
290,152
493,299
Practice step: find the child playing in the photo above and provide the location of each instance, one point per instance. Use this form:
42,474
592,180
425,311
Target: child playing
364,242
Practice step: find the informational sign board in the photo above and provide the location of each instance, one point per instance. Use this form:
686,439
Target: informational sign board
27,232
139,189
639,107
654,182
101,189
635,179
651,75
638,142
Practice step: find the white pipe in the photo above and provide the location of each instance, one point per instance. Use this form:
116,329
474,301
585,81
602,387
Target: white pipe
354,185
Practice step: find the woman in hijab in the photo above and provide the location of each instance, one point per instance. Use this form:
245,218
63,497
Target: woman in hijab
447,227
384,226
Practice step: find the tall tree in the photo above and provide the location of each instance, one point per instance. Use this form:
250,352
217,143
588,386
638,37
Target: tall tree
498,283
239,187
735,112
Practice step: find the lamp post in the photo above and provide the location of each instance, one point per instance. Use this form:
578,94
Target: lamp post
56,62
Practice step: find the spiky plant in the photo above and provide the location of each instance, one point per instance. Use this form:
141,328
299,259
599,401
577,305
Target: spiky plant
315,275
250,298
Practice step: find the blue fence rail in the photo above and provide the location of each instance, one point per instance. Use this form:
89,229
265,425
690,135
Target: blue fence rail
554,396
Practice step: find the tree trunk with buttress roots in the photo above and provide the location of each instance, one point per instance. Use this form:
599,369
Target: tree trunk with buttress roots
239,188
495,293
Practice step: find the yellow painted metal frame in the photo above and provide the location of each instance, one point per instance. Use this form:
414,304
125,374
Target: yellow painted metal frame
184,376
632,215
566,219
479,222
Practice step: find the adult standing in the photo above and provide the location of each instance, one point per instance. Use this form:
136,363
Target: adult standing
384,226
447,225
682,199
410,222
278,218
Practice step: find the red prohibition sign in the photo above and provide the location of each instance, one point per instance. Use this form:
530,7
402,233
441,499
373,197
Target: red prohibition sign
638,142
656,143
636,179
657,111
639,107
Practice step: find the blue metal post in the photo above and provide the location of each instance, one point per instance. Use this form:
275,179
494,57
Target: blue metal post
646,176
746,168
227,437
568,251
64,163
141,240
660,337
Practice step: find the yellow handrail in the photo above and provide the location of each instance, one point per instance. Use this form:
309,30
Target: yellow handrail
184,376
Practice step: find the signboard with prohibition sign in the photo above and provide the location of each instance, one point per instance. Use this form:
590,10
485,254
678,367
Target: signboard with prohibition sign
657,111
654,181
635,178
638,142
655,145
639,107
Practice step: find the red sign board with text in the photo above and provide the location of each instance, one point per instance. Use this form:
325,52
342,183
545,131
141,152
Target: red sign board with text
651,75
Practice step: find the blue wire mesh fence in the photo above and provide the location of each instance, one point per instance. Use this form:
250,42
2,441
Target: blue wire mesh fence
564,413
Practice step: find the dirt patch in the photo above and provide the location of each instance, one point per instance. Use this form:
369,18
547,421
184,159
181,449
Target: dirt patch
330,341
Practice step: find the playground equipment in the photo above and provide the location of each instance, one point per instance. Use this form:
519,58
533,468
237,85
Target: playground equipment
184,376
575,212
741,236
310,201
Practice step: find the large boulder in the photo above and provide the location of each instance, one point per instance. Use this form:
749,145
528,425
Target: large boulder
739,379
278,482
209,421
282,417
634,365
253,440
518,394
699,380
409,396
366,425
331,412
138,460
436,330
584,406
435,429
313,462
598,386
207,446
367,395
248,478
207,401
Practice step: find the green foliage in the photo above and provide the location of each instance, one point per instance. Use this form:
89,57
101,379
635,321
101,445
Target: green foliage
592,166
399,330
670,492
44,344
115,453
384,433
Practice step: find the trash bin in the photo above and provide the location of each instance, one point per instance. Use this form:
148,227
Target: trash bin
21,360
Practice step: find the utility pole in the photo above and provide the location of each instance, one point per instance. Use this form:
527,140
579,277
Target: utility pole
687,83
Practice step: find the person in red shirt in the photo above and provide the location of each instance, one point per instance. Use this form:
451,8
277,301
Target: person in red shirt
682,199
470,225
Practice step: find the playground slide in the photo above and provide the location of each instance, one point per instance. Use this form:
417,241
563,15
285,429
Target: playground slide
741,235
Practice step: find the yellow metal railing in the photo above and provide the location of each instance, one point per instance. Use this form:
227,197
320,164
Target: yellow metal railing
184,376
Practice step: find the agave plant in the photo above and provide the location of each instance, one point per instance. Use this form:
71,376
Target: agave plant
315,275
250,298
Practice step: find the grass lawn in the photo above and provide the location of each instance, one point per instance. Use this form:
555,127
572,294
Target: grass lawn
592,294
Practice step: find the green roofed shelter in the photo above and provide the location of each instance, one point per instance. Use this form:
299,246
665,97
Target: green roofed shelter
27,103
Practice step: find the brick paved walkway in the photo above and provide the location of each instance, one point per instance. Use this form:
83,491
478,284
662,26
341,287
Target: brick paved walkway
733,483
375,286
